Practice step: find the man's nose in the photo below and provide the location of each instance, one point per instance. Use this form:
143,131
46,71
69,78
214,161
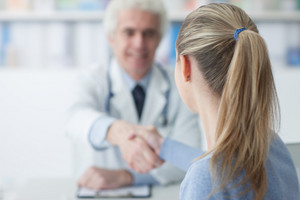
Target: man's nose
139,40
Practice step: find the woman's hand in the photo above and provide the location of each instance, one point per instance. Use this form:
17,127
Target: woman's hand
151,136
136,151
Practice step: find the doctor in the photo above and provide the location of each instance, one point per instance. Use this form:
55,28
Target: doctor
128,94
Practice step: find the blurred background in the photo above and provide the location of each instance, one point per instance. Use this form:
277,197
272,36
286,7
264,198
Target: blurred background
45,43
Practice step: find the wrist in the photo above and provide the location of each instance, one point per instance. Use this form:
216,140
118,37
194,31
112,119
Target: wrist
114,135
160,142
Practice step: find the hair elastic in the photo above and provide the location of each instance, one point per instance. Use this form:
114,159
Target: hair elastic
237,32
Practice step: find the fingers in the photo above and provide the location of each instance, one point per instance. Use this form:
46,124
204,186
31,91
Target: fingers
90,180
132,136
142,144
100,178
141,148
141,157
144,159
151,135
140,166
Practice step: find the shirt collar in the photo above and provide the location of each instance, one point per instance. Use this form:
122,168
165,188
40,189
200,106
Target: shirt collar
131,83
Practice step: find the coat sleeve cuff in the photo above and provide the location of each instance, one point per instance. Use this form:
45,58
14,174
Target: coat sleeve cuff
143,179
98,132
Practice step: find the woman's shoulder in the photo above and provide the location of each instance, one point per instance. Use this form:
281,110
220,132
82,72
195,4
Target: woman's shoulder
199,171
279,152
282,175
201,163
197,182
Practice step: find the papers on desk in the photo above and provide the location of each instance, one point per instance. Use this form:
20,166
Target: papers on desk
143,191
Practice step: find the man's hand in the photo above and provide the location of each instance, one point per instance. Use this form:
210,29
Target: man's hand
99,178
137,153
151,135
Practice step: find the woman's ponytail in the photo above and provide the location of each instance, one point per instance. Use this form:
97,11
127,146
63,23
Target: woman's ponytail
246,114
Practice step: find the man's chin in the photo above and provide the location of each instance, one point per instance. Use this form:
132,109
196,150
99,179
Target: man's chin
139,65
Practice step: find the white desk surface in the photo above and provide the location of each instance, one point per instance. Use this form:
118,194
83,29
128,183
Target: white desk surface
65,189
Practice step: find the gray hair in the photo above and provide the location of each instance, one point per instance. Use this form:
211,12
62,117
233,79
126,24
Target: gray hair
153,6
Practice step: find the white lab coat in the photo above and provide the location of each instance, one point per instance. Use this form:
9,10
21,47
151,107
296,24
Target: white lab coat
182,124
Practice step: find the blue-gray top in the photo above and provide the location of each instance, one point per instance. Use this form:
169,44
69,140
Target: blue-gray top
197,184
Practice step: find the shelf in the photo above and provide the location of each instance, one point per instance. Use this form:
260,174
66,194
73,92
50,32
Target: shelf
277,68
68,16
275,16
96,16
269,16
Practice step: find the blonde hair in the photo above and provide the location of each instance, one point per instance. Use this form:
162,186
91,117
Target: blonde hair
240,73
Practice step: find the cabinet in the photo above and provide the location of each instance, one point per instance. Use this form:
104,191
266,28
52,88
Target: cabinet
76,39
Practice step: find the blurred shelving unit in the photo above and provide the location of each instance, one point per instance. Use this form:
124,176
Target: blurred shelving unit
97,16
62,16
276,16
267,16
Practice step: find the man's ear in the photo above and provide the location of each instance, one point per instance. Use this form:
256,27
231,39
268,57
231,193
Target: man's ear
110,39
185,63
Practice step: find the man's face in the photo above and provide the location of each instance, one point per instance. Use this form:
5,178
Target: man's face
135,40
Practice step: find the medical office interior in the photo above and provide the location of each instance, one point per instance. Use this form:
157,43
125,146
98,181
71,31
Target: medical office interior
44,44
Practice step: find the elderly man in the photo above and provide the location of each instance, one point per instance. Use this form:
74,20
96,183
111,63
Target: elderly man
128,94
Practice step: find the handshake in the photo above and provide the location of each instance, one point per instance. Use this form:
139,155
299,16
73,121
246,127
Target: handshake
144,157
140,148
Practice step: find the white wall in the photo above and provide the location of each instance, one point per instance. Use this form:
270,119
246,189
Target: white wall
32,114
288,86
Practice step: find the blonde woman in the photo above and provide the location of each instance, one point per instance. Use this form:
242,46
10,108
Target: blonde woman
223,73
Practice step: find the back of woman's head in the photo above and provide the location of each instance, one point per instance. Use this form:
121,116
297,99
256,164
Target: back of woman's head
238,70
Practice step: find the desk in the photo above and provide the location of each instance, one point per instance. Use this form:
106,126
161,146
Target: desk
65,189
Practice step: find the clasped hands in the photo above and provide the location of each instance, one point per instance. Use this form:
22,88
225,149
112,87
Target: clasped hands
140,147
145,156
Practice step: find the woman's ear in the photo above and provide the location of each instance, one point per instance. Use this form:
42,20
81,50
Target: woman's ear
185,63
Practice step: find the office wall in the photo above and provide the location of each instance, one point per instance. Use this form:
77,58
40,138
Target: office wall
33,105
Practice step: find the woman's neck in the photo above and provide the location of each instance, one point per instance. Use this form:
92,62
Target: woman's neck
208,110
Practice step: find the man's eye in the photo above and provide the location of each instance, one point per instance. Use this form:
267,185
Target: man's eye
128,33
149,33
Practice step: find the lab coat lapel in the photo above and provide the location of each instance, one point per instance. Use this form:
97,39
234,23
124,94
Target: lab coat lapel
122,100
155,97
